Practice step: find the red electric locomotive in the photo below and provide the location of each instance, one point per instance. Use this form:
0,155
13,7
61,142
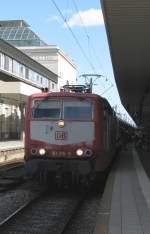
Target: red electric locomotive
69,135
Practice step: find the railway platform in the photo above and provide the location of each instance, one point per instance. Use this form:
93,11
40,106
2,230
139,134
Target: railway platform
4,145
11,151
125,205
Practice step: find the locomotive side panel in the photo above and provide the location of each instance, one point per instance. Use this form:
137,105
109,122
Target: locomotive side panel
106,135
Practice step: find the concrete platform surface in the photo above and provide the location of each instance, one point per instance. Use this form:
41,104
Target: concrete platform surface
11,151
10,144
125,205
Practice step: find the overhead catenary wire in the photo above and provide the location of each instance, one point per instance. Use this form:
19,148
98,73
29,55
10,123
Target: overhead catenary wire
84,28
82,50
106,90
74,36
77,10
89,43
76,40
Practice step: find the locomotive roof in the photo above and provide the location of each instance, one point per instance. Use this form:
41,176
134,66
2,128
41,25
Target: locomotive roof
65,94
69,94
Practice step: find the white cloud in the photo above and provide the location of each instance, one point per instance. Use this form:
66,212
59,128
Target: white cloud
53,18
65,12
91,17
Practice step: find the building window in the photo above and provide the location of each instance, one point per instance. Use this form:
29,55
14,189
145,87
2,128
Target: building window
26,73
7,63
1,61
31,75
53,86
45,82
21,70
37,78
15,67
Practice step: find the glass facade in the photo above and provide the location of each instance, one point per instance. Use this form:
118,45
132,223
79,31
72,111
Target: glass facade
19,34
14,67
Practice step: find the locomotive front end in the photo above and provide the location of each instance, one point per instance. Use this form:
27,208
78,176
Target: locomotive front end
60,135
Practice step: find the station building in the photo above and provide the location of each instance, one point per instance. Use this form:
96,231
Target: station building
27,64
54,59
19,34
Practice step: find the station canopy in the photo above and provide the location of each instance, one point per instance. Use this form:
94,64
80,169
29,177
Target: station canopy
128,30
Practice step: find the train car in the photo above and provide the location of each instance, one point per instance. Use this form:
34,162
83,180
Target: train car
125,132
69,135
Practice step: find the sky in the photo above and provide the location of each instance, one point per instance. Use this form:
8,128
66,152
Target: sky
77,27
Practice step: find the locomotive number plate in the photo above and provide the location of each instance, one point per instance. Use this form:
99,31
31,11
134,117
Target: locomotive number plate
59,135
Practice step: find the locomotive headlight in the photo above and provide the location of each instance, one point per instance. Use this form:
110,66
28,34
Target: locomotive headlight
42,151
88,153
33,151
79,152
61,123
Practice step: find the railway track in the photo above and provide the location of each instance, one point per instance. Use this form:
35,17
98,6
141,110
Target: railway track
50,213
11,167
11,175
46,214
14,200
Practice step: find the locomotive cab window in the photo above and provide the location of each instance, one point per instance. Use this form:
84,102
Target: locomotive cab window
78,110
59,109
50,109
